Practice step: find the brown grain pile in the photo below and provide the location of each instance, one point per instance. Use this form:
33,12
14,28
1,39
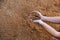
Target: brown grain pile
15,23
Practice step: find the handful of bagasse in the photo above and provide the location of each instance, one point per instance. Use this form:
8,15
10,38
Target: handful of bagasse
35,15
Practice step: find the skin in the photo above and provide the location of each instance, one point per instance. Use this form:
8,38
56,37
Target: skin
50,29
55,19
51,19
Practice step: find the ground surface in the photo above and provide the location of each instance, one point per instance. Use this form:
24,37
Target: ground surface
15,23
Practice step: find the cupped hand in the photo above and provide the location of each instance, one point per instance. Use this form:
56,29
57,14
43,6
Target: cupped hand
40,14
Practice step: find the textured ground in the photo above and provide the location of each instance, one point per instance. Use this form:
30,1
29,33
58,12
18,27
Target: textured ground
15,23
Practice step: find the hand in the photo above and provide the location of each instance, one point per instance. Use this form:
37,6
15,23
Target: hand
38,21
40,15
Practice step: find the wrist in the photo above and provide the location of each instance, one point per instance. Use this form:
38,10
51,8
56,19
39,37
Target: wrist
43,17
